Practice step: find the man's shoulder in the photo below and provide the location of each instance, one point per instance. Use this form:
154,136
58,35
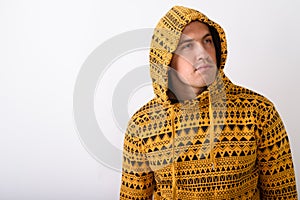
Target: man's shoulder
145,116
238,92
142,114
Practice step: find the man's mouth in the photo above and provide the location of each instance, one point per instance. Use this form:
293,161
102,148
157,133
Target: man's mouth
203,67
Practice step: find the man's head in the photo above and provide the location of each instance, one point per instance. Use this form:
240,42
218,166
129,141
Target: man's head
195,59
166,56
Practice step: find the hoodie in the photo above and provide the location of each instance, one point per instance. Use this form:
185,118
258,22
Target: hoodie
226,143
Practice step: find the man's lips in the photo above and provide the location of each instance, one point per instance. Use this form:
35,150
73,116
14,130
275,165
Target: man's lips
203,67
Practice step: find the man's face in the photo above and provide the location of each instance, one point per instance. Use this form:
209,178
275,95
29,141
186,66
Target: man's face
195,57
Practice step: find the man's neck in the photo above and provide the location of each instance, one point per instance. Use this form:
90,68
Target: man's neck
182,93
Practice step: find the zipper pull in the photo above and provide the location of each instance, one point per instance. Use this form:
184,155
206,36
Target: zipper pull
213,166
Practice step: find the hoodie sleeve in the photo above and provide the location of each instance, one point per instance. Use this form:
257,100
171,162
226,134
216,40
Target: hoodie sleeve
137,178
277,177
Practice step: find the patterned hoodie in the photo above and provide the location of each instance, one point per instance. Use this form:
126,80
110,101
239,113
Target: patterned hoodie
227,143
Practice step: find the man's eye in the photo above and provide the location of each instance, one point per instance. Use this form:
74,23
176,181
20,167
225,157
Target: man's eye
186,46
208,41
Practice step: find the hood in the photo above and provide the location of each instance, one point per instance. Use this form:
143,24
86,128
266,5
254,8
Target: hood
165,40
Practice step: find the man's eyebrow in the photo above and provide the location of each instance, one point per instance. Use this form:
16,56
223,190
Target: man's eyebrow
207,35
185,41
190,39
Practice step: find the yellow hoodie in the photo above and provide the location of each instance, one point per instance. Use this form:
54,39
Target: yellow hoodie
227,143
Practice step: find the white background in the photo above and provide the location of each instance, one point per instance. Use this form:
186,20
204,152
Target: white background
43,45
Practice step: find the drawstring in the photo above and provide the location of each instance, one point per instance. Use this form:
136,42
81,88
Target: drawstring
173,155
211,133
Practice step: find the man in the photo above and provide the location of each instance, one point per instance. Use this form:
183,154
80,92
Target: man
201,136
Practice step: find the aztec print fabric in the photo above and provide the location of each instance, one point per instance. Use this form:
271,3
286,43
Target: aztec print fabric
228,143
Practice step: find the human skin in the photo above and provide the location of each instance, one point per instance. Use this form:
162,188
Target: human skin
194,62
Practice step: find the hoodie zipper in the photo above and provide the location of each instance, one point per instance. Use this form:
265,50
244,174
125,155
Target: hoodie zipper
173,154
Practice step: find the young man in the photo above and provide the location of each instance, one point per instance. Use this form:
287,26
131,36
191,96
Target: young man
201,136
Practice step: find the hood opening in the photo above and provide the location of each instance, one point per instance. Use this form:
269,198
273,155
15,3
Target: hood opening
217,44
165,41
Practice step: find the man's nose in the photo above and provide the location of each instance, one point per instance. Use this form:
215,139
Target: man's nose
200,52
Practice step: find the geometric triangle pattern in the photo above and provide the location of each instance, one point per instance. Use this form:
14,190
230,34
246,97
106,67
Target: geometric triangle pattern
212,147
